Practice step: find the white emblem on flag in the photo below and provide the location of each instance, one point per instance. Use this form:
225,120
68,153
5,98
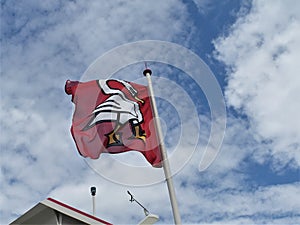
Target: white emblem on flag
119,109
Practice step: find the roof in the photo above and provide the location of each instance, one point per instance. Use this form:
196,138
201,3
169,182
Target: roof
51,211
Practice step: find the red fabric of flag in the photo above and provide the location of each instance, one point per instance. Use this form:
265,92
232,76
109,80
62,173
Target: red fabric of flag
113,116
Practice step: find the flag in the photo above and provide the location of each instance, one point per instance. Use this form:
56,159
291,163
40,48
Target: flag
113,116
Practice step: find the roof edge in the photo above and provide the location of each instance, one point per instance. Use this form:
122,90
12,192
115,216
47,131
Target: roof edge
73,209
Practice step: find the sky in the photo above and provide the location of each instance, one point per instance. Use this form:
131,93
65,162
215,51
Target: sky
252,50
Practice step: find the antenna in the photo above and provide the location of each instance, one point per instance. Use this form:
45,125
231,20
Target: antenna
93,193
132,199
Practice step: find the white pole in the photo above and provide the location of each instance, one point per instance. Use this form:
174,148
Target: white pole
166,165
94,205
93,193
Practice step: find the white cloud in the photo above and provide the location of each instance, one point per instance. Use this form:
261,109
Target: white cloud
46,43
202,5
42,45
261,53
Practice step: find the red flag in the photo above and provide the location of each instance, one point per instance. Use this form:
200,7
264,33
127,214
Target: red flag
113,116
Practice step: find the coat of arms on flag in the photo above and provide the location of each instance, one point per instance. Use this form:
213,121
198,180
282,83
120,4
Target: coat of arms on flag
113,116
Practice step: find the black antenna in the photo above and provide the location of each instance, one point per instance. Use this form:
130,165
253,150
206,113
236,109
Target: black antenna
132,199
147,70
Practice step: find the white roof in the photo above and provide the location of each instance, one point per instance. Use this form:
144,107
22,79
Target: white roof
51,211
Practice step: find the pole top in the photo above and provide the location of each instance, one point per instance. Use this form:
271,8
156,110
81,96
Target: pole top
146,71
93,191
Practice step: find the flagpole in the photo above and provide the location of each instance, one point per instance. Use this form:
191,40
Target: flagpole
166,165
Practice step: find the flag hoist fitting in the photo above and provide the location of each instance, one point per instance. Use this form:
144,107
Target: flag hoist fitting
147,71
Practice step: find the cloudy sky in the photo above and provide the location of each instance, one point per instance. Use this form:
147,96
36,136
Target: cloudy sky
251,47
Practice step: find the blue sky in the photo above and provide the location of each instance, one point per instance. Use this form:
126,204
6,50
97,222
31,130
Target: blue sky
252,48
